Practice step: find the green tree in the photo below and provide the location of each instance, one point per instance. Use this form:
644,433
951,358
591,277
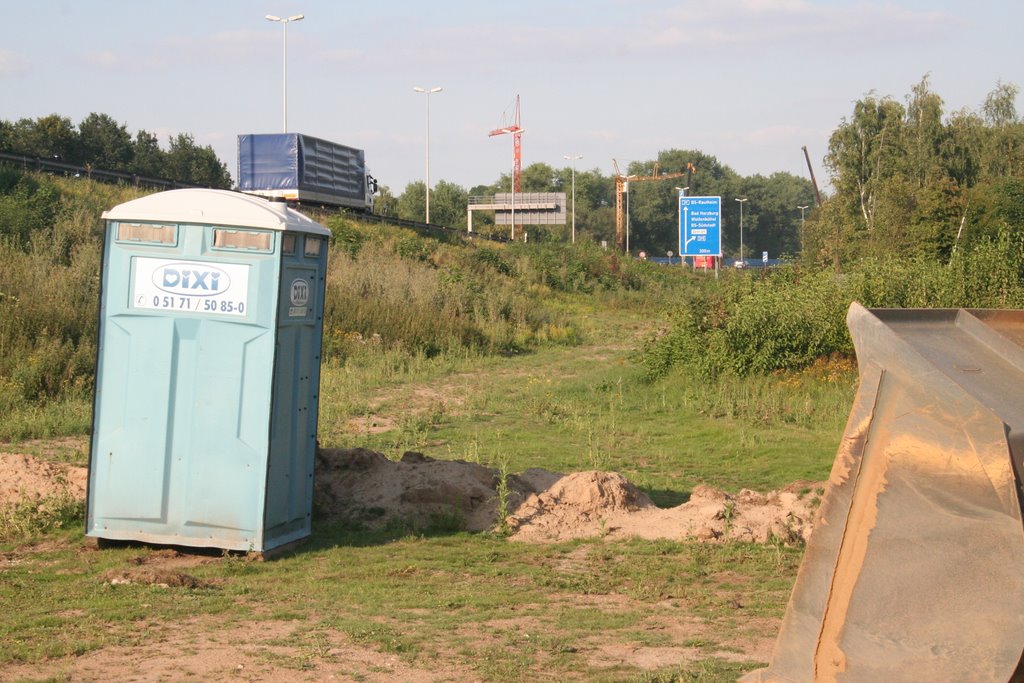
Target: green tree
194,165
924,135
864,152
412,203
448,205
148,159
964,147
540,177
595,206
104,143
385,203
6,136
1004,148
48,137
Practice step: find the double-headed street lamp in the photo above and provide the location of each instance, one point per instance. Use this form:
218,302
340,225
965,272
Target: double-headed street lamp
428,92
284,23
573,158
741,231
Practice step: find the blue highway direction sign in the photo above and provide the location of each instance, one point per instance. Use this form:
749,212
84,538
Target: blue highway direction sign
700,226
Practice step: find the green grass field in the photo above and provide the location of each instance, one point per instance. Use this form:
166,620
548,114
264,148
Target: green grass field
452,605
513,356
590,407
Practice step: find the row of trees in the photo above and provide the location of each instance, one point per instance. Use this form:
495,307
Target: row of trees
771,221
907,179
98,141
910,180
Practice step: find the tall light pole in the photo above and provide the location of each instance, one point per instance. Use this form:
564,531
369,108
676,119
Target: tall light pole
573,158
802,208
428,92
516,132
679,204
284,23
741,230
625,187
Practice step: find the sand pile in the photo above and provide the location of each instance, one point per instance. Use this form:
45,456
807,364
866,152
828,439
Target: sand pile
24,478
364,488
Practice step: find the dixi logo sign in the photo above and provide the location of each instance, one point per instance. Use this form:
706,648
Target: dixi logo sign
300,292
191,279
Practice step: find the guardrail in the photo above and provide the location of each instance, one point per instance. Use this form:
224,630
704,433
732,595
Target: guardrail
99,174
107,176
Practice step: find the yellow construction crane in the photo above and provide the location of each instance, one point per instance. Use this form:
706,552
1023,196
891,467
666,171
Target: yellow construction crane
620,190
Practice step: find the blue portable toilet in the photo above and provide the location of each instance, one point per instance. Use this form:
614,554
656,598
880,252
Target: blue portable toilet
208,372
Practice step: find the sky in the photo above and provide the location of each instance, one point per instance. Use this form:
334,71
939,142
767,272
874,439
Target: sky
748,81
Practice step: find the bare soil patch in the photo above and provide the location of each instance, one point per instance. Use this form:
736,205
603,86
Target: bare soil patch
27,478
203,650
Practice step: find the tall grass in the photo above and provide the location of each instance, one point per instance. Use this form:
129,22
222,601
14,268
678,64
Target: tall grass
49,283
394,289
393,296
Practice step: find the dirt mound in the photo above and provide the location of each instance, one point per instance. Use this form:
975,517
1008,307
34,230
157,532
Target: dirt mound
710,515
24,478
359,485
364,487
577,499
590,504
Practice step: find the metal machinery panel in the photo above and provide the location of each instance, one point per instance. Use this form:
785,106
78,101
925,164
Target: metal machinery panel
914,571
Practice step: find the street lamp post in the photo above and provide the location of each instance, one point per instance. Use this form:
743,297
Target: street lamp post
284,23
682,259
625,188
428,92
573,158
802,208
741,230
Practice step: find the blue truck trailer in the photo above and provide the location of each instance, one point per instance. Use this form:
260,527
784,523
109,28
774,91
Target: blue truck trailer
304,169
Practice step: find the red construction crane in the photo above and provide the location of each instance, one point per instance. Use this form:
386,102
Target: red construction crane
516,131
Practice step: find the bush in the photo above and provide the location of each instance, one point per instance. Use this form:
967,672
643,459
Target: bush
26,206
759,322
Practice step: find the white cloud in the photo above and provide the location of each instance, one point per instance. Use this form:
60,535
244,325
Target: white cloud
693,29
101,58
797,24
13,64
339,55
772,135
219,48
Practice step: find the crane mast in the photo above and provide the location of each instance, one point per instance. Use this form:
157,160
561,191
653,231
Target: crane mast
620,191
516,131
